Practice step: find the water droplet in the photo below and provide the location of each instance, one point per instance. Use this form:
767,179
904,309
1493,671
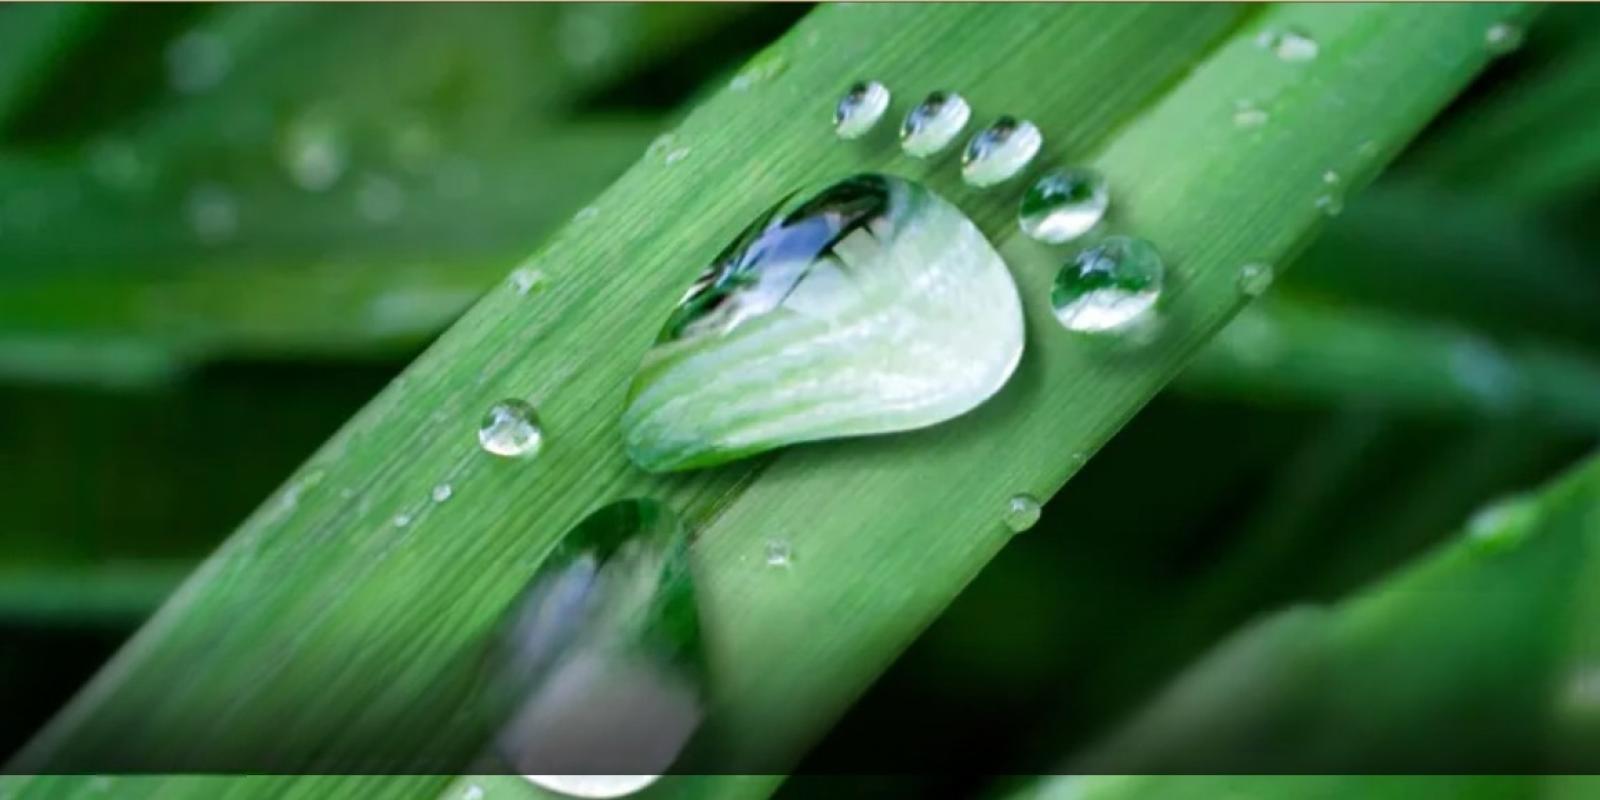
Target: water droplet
934,124
1108,287
511,429
472,792
525,280
1330,204
1022,512
1583,690
1503,524
598,667
1502,38
677,155
197,61
585,33
1252,338
379,199
1063,205
315,154
1367,149
1255,279
585,214
212,212
402,519
1288,44
442,492
769,64
1246,114
597,787
1000,151
1330,177
874,306
779,553
860,109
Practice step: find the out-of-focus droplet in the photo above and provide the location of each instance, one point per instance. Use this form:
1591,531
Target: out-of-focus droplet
1502,38
197,61
212,212
598,670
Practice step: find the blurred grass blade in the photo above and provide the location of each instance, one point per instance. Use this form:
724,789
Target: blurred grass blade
343,638
1408,673
104,594
33,37
1283,349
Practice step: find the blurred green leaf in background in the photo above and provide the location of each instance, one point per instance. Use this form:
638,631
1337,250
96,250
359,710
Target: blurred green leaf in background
1355,534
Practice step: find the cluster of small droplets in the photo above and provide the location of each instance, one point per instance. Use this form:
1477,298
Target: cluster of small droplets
995,154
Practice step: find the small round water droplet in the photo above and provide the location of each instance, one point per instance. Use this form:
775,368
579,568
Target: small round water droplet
524,280
472,792
677,155
380,199
860,109
511,429
1063,205
779,553
593,787
1000,151
442,492
1254,279
1330,177
1502,38
1246,114
1108,287
1330,204
1022,512
1288,44
934,124
212,213
197,61
764,67
402,519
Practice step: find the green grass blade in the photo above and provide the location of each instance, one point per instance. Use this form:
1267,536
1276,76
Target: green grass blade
345,635
33,37
1283,349
1435,667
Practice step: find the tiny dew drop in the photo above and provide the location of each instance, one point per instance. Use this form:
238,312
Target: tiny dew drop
1022,512
860,109
934,124
779,553
1330,204
1063,205
1109,287
1000,151
511,429
585,214
524,280
1288,44
315,154
1502,38
677,155
442,492
402,520
1246,114
1330,177
1255,279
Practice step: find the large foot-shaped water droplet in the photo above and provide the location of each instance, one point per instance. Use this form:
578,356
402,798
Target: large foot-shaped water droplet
599,669
875,306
